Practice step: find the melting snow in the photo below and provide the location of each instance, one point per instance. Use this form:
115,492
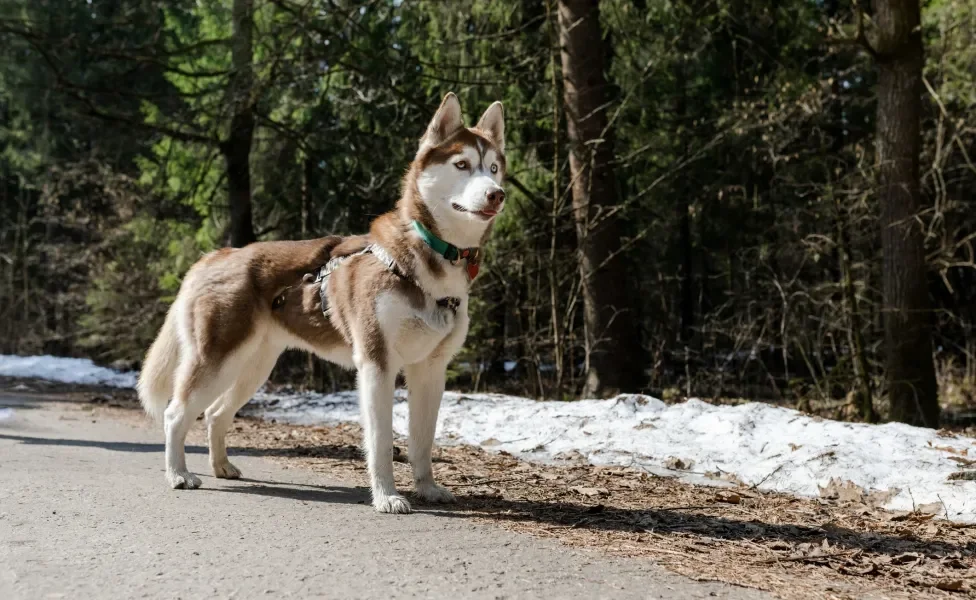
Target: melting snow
773,448
65,370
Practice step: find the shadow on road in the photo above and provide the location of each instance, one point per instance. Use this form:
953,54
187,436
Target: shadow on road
336,451
296,491
287,490
689,522
565,514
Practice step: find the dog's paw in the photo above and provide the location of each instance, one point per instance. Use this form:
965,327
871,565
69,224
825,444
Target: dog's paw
183,480
433,492
226,470
394,505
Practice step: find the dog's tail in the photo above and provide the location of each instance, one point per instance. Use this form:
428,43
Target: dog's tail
158,370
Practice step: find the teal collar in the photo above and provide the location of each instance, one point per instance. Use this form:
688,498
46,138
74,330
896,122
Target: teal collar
446,249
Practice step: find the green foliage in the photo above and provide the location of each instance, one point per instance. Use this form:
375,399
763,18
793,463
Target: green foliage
742,136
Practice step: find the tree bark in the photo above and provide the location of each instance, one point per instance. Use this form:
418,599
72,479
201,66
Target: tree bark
237,147
907,307
612,333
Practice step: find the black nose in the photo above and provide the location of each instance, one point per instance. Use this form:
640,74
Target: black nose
496,197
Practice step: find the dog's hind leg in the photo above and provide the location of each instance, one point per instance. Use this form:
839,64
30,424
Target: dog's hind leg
197,385
425,384
220,414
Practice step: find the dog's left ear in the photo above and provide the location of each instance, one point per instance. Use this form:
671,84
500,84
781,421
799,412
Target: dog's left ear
493,123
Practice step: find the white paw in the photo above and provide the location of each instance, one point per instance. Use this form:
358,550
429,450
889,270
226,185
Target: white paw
394,505
183,480
226,470
433,492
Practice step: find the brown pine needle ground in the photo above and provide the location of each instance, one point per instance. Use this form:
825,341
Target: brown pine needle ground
793,547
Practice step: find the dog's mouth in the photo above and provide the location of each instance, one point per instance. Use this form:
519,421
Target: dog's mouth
486,213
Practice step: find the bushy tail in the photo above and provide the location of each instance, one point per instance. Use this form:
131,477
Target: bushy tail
155,385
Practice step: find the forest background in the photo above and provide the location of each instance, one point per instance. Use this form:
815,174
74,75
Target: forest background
729,199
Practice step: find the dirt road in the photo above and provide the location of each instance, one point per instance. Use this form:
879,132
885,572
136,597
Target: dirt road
85,513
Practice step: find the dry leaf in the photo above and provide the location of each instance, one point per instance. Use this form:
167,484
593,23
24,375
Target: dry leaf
728,497
676,464
844,491
725,476
963,452
954,563
590,491
950,585
906,558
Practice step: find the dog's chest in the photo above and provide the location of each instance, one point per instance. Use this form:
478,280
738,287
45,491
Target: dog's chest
451,282
442,331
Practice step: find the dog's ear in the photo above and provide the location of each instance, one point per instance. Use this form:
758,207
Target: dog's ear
493,123
446,121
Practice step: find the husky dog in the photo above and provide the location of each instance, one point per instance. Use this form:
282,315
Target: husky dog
395,300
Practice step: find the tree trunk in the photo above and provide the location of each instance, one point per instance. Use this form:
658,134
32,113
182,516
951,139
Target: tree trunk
907,308
612,333
237,147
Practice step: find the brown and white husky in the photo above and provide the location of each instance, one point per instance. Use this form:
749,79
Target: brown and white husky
395,300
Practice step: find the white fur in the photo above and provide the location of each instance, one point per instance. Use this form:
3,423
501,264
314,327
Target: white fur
420,340
442,186
423,341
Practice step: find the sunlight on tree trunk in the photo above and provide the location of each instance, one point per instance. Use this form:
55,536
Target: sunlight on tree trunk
613,351
907,307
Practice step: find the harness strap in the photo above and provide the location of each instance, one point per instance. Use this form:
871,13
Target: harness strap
322,277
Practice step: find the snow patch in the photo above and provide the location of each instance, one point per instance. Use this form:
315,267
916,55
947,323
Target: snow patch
775,449
65,370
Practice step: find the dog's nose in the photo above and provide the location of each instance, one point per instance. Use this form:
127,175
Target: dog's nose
496,197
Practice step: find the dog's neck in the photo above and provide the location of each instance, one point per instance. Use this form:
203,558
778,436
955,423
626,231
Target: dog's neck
461,231
440,219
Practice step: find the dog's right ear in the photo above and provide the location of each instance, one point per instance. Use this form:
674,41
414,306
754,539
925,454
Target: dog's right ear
447,120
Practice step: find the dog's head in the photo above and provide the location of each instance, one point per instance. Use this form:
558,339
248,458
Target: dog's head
459,172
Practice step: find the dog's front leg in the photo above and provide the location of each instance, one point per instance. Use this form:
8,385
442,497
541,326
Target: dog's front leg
425,383
376,385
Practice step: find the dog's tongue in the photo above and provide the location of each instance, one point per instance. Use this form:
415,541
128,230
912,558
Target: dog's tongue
472,270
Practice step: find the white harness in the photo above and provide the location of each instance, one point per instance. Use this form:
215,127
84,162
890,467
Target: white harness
322,277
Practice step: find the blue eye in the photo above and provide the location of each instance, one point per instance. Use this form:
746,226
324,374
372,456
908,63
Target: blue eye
494,168
461,164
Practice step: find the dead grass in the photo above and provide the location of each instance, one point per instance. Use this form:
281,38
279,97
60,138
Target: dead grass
793,547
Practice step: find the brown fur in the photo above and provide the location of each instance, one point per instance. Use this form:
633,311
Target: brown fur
229,290
239,308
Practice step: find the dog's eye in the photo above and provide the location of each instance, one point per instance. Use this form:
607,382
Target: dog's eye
461,164
494,168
